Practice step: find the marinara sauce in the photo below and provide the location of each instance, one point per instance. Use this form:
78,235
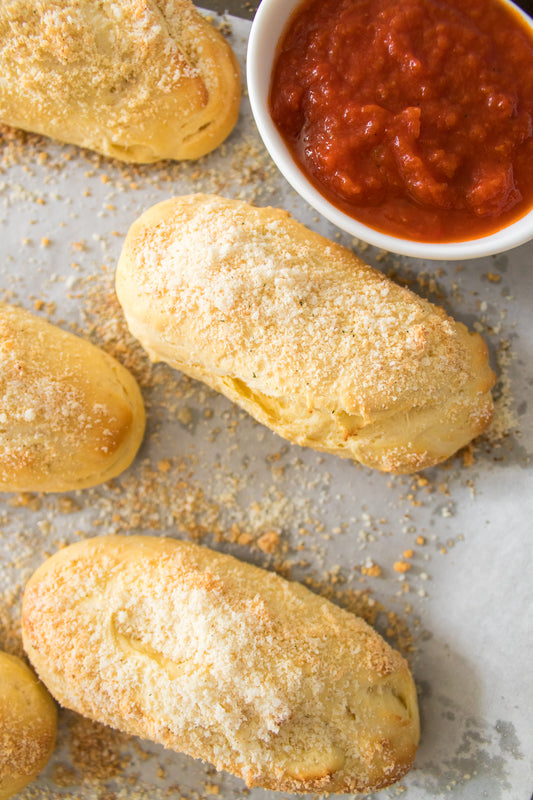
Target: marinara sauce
414,117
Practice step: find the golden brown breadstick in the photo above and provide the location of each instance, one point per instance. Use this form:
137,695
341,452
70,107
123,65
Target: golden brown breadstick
221,660
71,416
28,724
134,79
322,348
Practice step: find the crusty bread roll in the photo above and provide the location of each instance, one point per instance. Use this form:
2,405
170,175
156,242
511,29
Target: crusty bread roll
71,416
138,80
323,349
28,725
221,660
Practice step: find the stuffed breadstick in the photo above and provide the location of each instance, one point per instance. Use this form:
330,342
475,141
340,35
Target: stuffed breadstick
71,416
28,725
297,330
134,79
221,660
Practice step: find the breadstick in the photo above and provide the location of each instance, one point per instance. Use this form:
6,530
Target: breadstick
71,416
136,80
315,344
223,661
28,724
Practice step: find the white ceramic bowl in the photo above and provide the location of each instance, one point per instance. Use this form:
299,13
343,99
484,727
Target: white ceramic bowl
267,28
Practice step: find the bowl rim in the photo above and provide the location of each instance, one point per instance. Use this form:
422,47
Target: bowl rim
268,25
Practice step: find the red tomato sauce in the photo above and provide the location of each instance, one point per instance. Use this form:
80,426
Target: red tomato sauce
413,116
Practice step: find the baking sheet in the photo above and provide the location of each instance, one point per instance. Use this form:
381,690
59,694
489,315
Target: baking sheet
463,610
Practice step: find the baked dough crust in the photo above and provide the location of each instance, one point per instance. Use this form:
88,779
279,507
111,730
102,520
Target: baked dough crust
138,80
28,725
221,660
71,416
322,348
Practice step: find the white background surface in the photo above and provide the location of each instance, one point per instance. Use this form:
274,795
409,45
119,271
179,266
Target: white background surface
469,609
